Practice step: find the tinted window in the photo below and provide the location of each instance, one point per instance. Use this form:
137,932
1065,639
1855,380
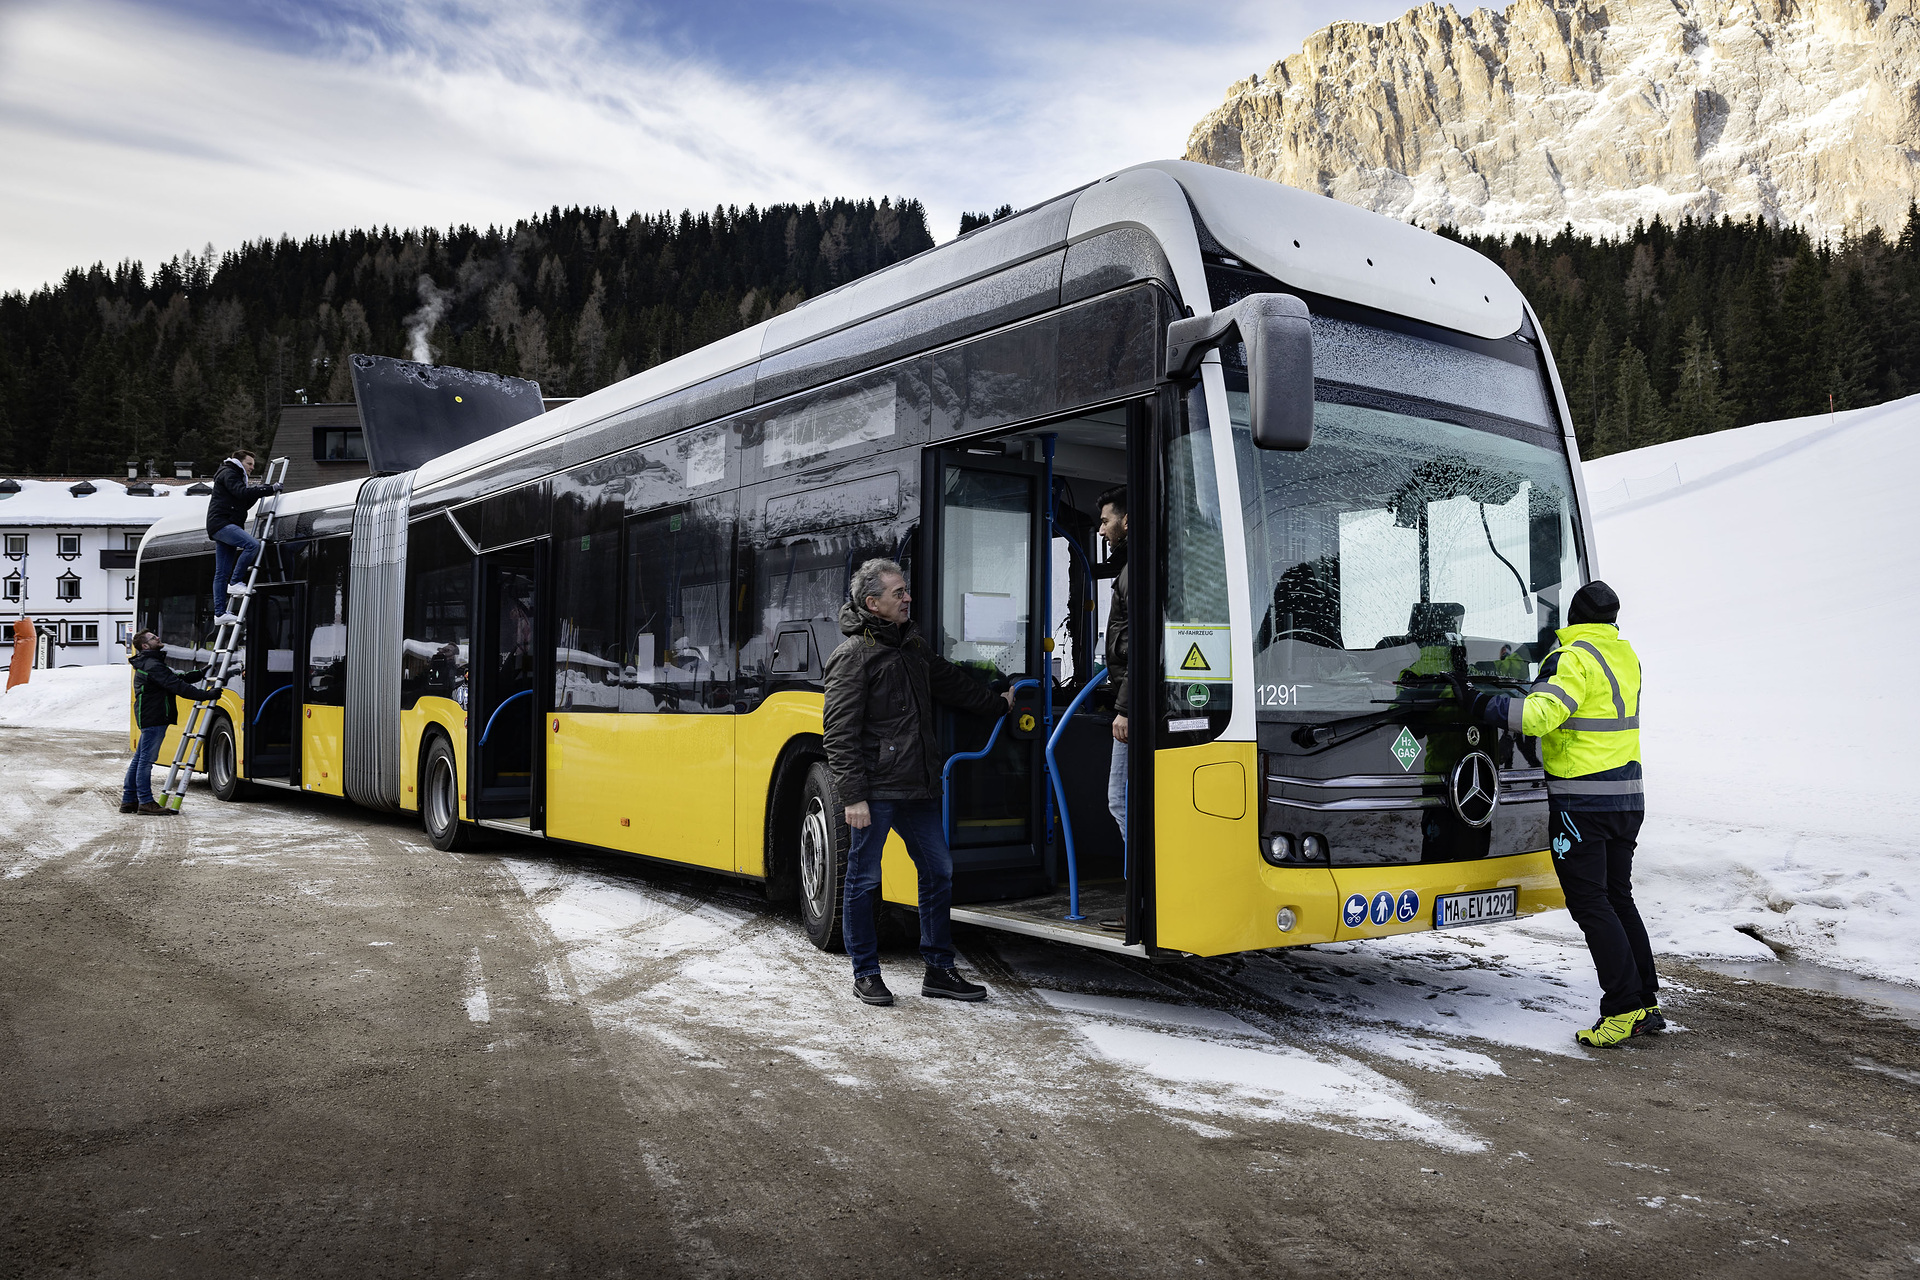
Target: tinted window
678,609
327,622
175,602
588,655
433,660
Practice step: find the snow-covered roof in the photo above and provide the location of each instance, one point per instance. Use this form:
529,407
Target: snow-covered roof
52,503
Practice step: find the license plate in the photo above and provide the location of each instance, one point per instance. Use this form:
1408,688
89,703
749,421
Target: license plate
1454,910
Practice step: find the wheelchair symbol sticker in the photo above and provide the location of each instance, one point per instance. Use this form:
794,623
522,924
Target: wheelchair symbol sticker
1408,908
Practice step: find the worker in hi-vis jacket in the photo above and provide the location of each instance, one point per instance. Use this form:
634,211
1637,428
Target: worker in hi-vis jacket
1585,710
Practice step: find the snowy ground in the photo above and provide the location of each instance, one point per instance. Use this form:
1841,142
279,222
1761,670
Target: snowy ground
1770,582
70,698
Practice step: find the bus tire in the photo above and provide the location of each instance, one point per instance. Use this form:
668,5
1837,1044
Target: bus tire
223,761
440,799
823,840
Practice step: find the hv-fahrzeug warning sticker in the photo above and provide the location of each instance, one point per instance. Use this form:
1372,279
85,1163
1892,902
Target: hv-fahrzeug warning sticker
1199,653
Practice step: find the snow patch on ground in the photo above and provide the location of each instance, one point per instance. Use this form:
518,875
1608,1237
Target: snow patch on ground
716,981
1771,589
87,698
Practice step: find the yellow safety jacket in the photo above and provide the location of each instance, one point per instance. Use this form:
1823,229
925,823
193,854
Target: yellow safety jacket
1585,709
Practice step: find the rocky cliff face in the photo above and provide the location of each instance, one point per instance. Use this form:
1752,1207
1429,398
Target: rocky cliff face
1597,112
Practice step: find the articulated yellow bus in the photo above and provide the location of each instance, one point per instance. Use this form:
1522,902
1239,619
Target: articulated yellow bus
1356,502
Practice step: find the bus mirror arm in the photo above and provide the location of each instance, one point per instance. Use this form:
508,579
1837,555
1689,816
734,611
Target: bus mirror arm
1277,331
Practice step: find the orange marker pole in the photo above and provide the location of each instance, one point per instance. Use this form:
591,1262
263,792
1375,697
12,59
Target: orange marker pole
22,666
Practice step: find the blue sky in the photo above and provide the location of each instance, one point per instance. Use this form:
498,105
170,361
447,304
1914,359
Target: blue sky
140,130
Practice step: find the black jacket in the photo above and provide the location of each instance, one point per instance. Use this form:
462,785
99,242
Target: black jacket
1116,655
881,683
232,496
156,685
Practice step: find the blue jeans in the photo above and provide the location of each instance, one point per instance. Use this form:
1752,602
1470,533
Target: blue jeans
234,550
918,822
138,787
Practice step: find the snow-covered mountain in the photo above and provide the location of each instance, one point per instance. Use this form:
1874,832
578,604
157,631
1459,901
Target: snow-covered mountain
1598,112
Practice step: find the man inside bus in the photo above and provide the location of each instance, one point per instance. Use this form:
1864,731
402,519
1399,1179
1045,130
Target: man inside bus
886,766
234,548
1585,709
1113,527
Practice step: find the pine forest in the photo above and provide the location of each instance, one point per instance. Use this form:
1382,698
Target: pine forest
117,366
1669,332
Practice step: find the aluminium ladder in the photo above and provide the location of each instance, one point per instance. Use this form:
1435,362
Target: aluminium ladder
226,638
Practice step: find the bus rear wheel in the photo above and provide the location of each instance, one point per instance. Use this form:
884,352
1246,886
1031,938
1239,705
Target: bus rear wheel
440,799
824,838
223,761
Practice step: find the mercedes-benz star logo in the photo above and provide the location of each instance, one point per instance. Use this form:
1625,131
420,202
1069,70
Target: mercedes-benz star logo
1474,788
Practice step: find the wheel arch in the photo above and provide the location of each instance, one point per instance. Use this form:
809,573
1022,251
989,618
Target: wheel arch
785,785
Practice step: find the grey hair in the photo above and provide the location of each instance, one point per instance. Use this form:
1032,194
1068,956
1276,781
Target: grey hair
866,579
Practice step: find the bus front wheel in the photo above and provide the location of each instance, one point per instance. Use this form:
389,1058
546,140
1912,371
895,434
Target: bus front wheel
823,859
223,761
440,799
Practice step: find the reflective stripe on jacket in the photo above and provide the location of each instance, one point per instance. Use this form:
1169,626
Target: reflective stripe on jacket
1585,709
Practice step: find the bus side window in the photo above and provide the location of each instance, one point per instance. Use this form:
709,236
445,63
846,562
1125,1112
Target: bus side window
679,577
589,661
439,607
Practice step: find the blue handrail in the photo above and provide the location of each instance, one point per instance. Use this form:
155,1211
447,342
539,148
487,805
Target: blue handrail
946,771
262,708
524,693
1060,794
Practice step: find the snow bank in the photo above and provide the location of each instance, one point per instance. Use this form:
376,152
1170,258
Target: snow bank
1768,579
93,698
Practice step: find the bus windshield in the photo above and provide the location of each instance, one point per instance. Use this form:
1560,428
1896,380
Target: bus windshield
1418,543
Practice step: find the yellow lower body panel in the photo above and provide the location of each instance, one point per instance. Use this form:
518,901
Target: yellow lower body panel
322,750
662,785
758,739
1213,892
1216,894
451,718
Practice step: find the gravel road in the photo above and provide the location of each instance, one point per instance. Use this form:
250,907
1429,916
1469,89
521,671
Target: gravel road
289,1037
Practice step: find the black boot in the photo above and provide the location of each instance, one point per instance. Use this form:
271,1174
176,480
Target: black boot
947,984
872,988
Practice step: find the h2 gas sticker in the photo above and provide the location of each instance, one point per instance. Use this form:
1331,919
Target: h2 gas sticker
1198,652
1406,749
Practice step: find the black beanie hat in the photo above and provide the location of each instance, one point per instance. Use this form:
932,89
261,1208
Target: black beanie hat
1594,602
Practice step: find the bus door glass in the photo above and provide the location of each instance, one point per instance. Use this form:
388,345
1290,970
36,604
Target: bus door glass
504,711
273,661
980,608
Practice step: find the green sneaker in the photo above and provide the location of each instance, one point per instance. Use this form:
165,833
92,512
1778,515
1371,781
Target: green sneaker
1652,1023
1611,1031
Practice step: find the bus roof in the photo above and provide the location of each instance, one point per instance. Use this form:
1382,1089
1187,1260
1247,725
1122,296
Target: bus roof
1304,240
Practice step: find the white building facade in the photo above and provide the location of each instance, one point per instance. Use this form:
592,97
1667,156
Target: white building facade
67,556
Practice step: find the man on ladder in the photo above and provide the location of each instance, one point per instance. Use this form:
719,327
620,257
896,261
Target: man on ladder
238,495
234,549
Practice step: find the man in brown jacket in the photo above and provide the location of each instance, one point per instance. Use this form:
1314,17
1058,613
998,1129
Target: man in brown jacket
881,683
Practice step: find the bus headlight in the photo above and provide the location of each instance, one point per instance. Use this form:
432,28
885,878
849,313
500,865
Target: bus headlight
1279,849
1313,848
1284,920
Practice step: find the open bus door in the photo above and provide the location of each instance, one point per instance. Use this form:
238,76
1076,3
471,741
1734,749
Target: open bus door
274,661
505,670
995,574
980,609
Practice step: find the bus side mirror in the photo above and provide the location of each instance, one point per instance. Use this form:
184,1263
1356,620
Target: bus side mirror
1279,340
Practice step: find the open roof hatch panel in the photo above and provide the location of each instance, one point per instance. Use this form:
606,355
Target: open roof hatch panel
412,413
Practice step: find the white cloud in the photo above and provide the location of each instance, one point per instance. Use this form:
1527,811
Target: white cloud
132,134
